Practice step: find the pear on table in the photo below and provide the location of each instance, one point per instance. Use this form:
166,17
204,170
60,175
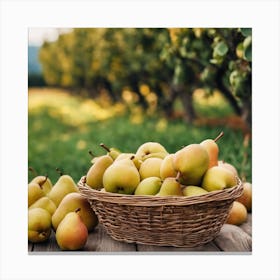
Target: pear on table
246,196
71,233
237,214
39,225
45,203
70,203
64,185
35,192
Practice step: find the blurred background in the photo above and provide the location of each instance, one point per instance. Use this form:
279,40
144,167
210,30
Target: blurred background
127,86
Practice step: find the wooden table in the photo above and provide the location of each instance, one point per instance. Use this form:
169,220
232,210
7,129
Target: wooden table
230,239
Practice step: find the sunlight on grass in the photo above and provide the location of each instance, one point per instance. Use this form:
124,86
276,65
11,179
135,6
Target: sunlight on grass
69,109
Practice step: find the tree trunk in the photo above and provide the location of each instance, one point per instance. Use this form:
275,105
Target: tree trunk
186,96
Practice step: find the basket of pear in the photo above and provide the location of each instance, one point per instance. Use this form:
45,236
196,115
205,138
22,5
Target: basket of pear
153,197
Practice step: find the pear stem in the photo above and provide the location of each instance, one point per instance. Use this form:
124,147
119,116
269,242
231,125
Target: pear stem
78,210
45,180
178,176
59,171
219,136
91,153
132,157
34,172
105,147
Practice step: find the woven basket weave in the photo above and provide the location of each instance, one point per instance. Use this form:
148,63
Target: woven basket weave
163,221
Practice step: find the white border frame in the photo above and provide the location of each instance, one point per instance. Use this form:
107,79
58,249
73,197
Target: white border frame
17,16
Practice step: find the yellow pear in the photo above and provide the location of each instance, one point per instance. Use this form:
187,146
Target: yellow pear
193,191
148,186
228,166
71,233
167,167
39,225
237,214
218,178
95,173
121,177
192,162
246,197
150,168
44,182
170,186
45,203
70,203
35,192
64,185
112,152
150,149
132,156
212,149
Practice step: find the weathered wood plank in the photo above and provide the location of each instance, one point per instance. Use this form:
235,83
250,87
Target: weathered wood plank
48,246
209,247
100,241
247,226
233,239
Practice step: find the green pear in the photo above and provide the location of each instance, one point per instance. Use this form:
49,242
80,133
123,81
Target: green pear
35,192
71,233
39,225
64,185
170,186
45,203
167,167
112,152
150,168
121,177
95,173
193,191
150,149
70,203
192,162
218,178
148,186
44,182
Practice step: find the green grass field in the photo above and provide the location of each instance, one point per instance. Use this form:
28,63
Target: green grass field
62,129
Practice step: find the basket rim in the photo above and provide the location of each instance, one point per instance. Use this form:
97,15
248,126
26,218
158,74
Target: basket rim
149,200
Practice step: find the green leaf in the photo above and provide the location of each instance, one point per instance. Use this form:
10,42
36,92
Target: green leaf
247,44
221,48
246,31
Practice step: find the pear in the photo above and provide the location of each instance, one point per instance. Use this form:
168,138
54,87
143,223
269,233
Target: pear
237,214
150,168
44,182
39,225
64,185
70,203
95,173
121,177
112,152
192,162
151,149
71,233
218,178
212,149
193,191
167,167
246,196
228,166
137,162
35,192
170,186
45,203
148,186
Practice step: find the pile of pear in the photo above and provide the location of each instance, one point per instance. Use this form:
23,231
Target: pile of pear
59,208
192,170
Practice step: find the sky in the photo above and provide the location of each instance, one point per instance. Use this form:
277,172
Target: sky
36,36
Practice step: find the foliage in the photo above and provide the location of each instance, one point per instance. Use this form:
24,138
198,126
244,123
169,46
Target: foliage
62,128
157,65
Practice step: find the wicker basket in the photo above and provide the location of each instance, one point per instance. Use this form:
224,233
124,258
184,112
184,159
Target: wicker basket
163,221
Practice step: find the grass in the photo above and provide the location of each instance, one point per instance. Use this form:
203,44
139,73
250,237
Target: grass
63,128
